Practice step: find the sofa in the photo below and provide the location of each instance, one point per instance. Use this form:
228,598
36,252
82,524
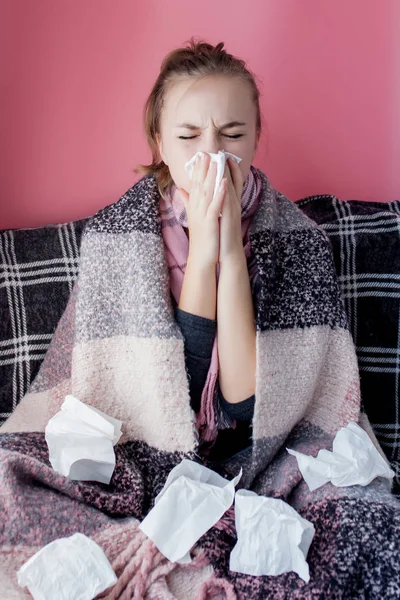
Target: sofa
38,267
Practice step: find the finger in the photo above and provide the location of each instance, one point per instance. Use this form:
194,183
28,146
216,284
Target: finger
229,183
199,175
209,182
237,177
218,200
200,168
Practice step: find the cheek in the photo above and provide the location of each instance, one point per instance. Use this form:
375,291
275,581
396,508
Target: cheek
179,155
245,167
245,152
178,173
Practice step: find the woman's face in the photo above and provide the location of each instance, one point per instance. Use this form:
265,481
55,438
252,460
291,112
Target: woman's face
210,114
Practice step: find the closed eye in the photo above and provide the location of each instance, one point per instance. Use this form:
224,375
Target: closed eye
232,137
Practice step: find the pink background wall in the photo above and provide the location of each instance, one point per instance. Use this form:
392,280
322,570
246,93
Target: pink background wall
75,75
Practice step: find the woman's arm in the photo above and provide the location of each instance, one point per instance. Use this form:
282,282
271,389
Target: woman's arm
236,331
199,289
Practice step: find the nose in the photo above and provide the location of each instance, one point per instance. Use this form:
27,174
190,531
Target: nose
212,142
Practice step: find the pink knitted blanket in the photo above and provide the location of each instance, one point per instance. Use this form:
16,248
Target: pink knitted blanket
118,348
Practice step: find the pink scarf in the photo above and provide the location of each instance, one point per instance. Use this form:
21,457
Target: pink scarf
176,243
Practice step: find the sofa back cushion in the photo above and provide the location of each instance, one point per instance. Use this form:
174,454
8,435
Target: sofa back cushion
38,268
365,238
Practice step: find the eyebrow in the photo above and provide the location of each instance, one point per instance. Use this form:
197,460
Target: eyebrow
231,124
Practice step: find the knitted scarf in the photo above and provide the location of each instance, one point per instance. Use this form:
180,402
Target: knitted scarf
174,219
119,348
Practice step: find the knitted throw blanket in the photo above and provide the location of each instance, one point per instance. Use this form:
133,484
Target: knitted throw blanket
118,348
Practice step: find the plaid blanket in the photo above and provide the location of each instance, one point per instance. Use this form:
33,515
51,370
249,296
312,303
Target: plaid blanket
118,348
365,238
37,272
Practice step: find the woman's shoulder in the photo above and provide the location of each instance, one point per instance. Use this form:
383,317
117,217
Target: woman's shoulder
136,209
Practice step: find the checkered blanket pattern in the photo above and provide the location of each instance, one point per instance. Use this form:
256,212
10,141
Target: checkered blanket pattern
38,267
365,238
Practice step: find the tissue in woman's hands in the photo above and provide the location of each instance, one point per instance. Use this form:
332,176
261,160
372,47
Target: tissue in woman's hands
354,460
272,537
192,500
219,158
81,441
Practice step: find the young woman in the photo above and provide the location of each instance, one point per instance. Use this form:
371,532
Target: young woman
213,327
205,101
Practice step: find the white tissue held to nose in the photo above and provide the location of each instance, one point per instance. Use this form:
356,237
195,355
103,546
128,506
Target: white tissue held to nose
220,158
354,460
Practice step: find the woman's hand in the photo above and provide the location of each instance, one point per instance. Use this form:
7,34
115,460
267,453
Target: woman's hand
231,243
203,212
235,312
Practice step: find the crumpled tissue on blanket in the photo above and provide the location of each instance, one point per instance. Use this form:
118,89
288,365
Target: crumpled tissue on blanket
272,537
81,441
192,500
73,568
354,460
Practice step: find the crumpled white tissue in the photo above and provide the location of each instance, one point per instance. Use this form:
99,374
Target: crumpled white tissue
272,537
219,158
72,568
354,460
192,500
81,441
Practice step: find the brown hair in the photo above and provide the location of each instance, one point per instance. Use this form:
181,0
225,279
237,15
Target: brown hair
197,59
